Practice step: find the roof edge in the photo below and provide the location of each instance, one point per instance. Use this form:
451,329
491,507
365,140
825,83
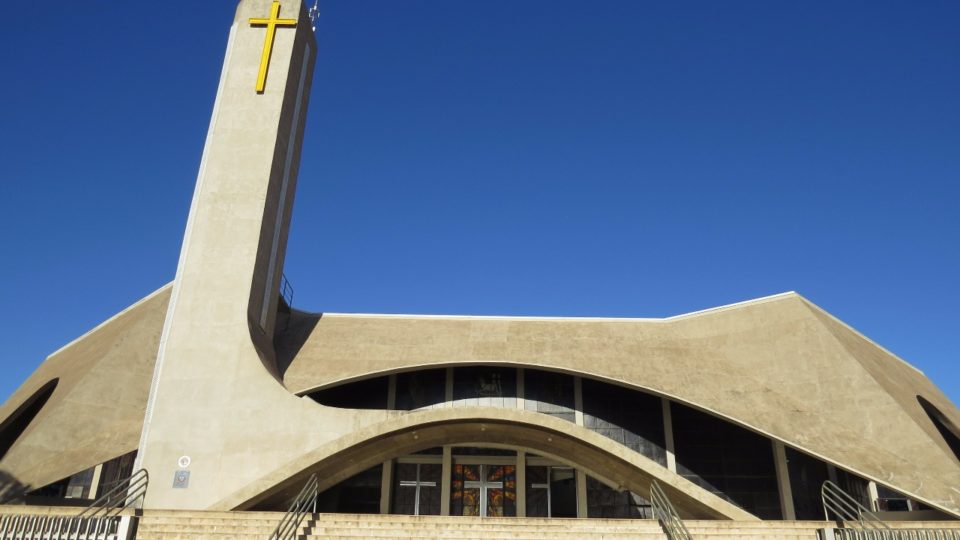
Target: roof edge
859,334
113,318
735,305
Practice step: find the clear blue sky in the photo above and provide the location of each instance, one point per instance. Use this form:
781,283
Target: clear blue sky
614,158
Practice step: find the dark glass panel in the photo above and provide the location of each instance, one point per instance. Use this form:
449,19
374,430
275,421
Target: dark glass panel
631,418
430,495
480,451
606,502
486,386
563,492
537,491
889,500
537,502
419,389
855,486
359,494
115,471
548,392
435,451
728,460
404,497
366,394
807,475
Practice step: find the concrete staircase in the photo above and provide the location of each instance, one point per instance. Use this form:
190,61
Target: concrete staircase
181,525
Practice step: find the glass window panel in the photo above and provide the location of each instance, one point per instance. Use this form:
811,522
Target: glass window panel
470,502
404,499
536,502
481,451
632,418
536,475
732,462
855,486
359,494
366,394
549,392
421,389
488,386
807,475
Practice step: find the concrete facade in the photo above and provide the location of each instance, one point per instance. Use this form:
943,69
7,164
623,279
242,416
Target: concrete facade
201,369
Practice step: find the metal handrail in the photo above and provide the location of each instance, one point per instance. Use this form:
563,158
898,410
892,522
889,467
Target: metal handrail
98,518
847,509
129,491
287,528
664,512
895,534
99,521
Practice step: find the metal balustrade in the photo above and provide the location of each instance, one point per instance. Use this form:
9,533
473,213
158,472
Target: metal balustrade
666,514
845,509
895,534
858,523
102,520
306,499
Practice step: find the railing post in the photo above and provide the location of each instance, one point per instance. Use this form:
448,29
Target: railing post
125,528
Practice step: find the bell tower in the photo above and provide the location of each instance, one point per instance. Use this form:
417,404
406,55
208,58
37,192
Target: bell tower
206,430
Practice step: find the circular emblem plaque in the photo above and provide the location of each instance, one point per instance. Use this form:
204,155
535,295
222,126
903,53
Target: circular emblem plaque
184,462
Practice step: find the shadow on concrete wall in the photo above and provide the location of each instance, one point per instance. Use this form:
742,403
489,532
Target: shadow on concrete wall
12,490
288,342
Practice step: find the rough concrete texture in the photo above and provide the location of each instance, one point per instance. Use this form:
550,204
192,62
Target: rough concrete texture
780,366
96,410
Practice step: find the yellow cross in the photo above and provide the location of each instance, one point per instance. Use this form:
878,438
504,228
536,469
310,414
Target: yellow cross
272,23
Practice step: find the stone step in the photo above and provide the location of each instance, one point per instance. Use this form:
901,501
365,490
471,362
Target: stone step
531,536
147,524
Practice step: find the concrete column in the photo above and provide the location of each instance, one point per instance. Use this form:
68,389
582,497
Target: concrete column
668,436
392,392
521,392
521,483
448,388
578,400
95,481
581,492
386,485
446,472
783,481
875,496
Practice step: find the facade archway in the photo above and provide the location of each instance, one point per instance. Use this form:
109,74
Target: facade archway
405,434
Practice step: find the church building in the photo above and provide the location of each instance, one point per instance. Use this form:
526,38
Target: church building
231,397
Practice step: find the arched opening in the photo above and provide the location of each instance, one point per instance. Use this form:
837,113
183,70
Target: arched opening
17,423
949,432
485,427
728,460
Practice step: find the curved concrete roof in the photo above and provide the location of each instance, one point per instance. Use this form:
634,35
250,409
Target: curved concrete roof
96,411
780,366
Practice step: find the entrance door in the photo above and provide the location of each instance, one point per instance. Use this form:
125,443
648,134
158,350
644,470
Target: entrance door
551,491
563,492
484,490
